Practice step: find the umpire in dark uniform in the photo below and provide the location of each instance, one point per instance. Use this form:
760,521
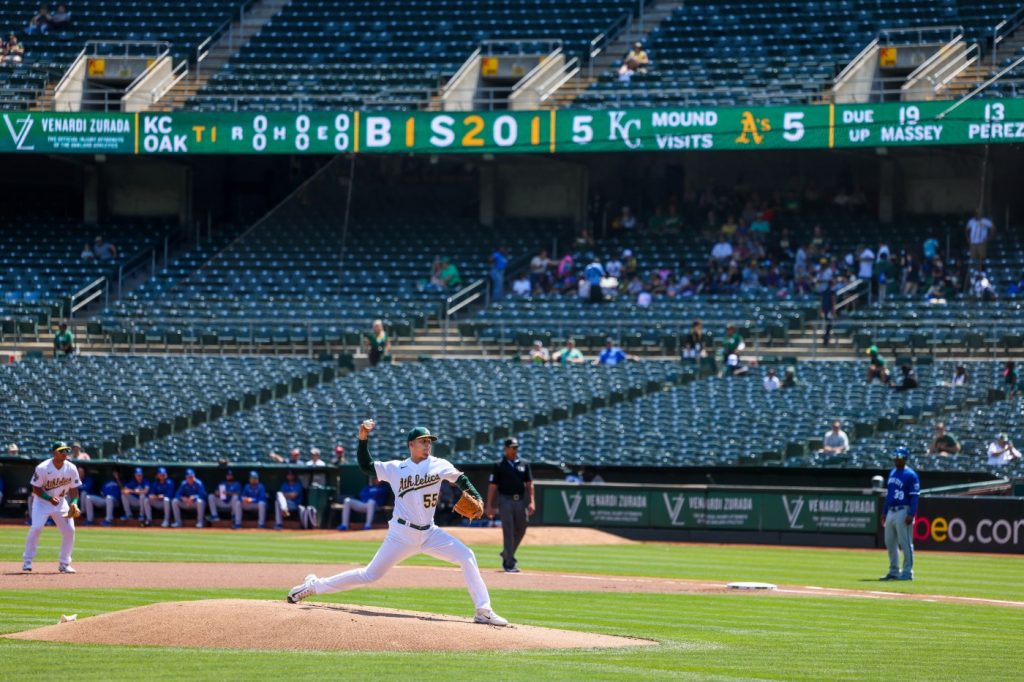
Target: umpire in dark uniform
512,482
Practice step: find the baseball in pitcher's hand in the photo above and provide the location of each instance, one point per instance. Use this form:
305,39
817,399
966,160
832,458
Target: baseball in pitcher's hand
366,427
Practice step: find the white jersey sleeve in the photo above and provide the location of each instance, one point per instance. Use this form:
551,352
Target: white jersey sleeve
56,482
447,470
388,471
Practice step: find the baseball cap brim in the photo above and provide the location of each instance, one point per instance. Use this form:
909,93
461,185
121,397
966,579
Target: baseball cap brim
420,432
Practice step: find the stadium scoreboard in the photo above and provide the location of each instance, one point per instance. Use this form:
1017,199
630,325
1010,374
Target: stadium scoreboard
550,131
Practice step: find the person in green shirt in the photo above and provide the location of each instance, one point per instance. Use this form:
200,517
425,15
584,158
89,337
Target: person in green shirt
449,275
877,366
570,355
63,341
886,273
944,443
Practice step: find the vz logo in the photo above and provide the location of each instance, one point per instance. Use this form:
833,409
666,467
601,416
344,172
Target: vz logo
674,506
793,511
572,505
21,134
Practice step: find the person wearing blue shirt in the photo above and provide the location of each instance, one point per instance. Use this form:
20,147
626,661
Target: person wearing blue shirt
902,492
371,498
191,495
225,498
110,492
499,262
613,355
161,492
252,497
132,495
289,499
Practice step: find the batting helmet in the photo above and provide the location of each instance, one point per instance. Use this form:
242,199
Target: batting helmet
901,453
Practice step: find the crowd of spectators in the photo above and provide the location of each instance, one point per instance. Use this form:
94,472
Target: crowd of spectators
43,21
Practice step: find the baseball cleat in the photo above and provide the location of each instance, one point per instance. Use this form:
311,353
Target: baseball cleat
343,527
300,592
489,617
66,568
905,577
107,523
90,523
513,569
889,577
175,525
27,566
165,525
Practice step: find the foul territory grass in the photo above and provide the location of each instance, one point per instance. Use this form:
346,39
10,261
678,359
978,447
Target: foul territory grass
973,575
733,636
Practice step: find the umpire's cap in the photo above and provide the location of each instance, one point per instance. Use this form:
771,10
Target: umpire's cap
511,443
60,446
419,432
901,453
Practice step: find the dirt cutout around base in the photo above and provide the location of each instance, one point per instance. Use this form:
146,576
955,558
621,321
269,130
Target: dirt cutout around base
251,624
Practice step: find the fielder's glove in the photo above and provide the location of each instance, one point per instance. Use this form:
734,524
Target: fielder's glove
73,512
469,506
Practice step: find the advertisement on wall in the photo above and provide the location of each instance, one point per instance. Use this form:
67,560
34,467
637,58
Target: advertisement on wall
970,524
672,129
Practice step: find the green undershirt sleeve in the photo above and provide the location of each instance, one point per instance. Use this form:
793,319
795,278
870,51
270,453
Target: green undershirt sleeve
467,487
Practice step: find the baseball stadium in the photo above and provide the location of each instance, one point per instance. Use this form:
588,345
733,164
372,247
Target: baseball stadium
569,339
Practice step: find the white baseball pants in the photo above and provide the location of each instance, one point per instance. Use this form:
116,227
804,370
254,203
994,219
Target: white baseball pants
93,501
351,504
148,504
42,510
403,542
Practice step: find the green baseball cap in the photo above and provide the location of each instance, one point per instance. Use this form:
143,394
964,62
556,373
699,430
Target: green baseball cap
420,432
60,446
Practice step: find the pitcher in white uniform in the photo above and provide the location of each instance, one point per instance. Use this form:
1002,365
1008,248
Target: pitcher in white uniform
416,482
55,485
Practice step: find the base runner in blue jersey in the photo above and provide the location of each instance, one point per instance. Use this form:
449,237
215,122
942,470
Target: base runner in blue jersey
416,482
902,492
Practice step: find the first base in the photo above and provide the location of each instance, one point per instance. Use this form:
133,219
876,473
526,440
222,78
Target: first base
751,586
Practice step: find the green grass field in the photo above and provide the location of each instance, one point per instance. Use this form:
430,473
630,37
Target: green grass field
712,636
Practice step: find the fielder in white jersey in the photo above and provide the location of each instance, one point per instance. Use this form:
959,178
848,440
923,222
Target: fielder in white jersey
55,485
416,482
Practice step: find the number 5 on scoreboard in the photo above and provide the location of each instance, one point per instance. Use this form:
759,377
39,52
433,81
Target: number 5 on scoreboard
582,129
793,126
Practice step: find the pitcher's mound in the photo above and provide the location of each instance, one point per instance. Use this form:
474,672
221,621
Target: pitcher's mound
250,624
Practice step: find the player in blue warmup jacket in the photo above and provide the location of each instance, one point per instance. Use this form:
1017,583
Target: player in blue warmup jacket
225,497
289,498
133,494
371,498
253,497
161,492
902,492
191,495
107,495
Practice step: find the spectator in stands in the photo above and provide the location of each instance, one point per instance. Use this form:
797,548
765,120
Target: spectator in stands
1001,451
521,286
191,495
960,376
979,231
584,241
827,310
569,355
910,275
339,454
15,51
640,57
377,343
885,275
1011,379
877,368
592,275
87,253
12,450
721,252
835,441
789,379
371,498
253,498
77,453
288,500
866,259
450,278
539,355
732,346
539,267
499,262
613,354
104,250
944,443
771,381
693,343
624,222
565,274
613,267
61,19
982,287
40,21
294,457
908,381
63,341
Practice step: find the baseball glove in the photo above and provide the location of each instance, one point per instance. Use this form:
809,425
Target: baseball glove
73,512
469,506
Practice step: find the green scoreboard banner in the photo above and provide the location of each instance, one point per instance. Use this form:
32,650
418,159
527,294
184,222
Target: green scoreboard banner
702,508
823,126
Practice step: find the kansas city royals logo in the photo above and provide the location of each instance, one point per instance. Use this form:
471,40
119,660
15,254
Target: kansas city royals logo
793,511
674,507
572,505
21,134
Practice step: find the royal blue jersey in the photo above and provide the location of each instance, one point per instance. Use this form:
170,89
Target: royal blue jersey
86,487
377,493
166,488
194,489
903,489
256,492
137,487
111,489
296,487
230,488
611,356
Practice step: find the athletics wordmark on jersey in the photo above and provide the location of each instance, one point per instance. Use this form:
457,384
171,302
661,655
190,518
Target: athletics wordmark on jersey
411,483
